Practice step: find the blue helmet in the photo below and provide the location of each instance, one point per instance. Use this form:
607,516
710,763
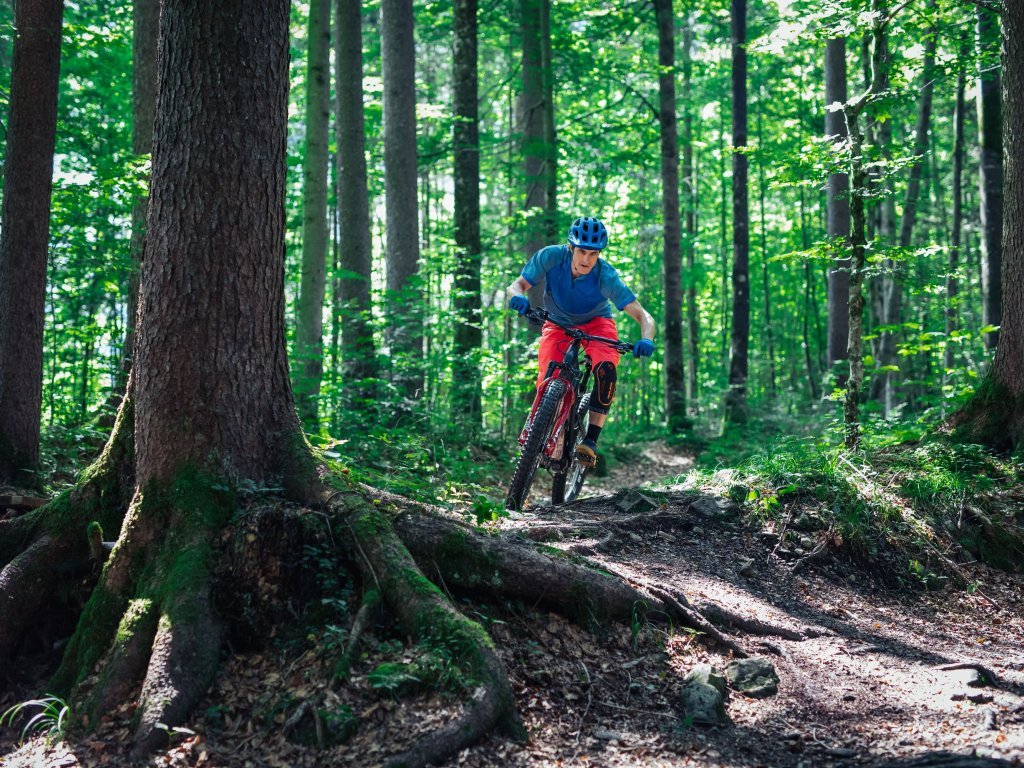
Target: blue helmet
588,233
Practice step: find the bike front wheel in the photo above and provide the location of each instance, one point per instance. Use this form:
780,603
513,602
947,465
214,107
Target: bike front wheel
566,486
536,439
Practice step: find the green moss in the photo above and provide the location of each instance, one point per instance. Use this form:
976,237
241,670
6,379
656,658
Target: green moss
95,631
474,566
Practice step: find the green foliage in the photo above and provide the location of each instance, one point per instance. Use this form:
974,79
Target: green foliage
50,719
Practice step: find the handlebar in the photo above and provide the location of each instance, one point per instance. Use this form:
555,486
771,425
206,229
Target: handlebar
540,316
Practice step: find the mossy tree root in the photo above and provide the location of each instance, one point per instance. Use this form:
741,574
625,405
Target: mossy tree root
150,618
994,417
425,614
24,585
52,539
514,567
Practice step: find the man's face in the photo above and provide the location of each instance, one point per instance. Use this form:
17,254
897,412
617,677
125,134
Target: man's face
583,261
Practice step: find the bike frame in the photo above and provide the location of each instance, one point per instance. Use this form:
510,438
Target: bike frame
575,375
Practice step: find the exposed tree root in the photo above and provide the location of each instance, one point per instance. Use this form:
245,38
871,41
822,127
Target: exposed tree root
181,667
24,583
52,539
748,624
508,565
426,614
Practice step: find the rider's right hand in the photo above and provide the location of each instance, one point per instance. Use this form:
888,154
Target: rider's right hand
519,303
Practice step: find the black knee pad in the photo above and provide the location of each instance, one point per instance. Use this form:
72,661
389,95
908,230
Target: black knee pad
604,387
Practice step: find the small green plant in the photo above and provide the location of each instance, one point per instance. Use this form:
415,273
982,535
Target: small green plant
50,721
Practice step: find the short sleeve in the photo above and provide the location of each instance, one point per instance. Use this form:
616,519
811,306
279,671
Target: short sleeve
541,263
614,289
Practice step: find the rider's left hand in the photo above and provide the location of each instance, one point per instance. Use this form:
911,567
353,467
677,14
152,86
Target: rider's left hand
643,348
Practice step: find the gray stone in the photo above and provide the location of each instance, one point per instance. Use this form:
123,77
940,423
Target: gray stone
806,522
746,567
635,503
703,696
755,677
706,506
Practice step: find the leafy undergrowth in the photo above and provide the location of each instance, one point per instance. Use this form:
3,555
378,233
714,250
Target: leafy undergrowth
923,508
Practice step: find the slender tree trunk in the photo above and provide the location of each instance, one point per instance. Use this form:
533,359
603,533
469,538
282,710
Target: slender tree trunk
675,376
468,336
736,396
309,335
858,228
550,137
531,127
24,233
885,383
690,201
355,240
765,278
990,137
838,206
953,267
400,176
145,27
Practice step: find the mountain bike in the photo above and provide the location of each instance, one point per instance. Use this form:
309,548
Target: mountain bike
558,420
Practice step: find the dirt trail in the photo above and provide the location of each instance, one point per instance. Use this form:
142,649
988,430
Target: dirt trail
876,684
869,684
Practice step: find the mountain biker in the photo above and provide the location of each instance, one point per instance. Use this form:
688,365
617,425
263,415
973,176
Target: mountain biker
580,289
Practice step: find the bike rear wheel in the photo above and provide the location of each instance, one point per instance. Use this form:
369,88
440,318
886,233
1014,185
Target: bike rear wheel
566,486
536,439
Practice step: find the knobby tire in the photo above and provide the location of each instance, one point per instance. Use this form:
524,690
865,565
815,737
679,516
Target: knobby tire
566,486
529,456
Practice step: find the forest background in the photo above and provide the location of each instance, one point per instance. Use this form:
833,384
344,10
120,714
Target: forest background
572,113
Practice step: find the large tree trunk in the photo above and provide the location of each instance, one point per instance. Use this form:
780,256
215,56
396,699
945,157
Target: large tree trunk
736,404
468,336
355,246
675,376
995,415
309,324
400,177
990,138
838,205
194,406
25,233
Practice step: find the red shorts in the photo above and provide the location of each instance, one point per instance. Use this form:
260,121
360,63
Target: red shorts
554,342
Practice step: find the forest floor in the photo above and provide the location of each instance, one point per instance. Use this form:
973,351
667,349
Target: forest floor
887,672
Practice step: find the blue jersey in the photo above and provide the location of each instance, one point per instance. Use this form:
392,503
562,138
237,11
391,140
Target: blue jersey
574,301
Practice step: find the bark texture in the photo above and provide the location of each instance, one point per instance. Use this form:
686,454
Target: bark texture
838,203
952,282
309,336
995,415
355,247
468,335
212,388
675,376
690,218
736,403
990,139
25,231
145,27
403,249
530,118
